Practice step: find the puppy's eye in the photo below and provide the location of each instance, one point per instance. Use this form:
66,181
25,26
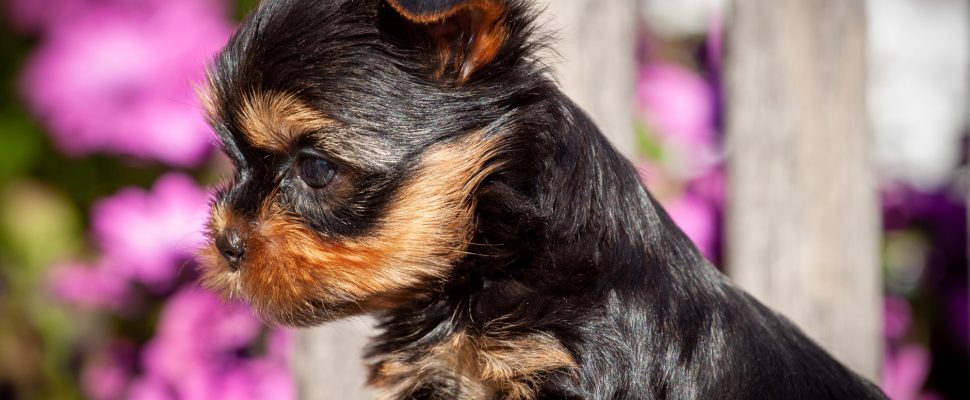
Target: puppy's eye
316,172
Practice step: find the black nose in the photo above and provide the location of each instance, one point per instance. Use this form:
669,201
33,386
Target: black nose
232,247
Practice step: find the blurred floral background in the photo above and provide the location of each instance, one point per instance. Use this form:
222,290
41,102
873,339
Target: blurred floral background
105,160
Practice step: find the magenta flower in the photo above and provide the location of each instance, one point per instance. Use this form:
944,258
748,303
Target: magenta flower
256,379
678,106
693,205
697,218
195,352
676,101
89,286
149,388
40,16
37,15
148,235
897,316
199,320
904,371
117,77
105,376
905,366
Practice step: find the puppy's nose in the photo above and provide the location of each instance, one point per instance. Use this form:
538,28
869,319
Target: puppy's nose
232,246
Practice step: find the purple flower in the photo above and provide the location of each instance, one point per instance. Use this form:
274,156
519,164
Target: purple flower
146,235
897,317
117,77
89,286
714,43
958,310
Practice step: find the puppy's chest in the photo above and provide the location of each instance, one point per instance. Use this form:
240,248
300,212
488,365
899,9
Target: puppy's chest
466,367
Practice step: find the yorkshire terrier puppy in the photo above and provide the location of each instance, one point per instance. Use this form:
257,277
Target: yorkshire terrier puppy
412,159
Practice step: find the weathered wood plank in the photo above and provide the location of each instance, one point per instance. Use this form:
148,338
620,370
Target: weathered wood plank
595,41
802,216
328,361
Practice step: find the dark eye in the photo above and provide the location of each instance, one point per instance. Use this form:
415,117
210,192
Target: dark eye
316,172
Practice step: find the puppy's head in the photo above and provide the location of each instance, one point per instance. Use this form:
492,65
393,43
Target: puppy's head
360,131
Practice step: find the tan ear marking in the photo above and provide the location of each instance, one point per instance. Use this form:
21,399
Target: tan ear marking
484,19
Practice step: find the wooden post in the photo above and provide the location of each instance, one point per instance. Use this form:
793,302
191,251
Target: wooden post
965,170
802,214
596,42
328,361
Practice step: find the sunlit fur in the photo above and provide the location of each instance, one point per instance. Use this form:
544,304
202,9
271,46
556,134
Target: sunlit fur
507,249
273,120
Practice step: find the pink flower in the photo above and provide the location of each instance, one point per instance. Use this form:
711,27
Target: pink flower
256,379
106,376
679,108
147,235
697,218
897,317
710,186
905,366
904,371
89,286
38,15
117,77
149,388
195,351
279,345
200,320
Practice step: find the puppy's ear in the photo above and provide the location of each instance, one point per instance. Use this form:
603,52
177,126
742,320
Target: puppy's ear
466,34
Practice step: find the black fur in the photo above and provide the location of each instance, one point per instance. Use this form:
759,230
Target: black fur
568,240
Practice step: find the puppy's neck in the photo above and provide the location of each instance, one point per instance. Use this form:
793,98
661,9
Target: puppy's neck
583,221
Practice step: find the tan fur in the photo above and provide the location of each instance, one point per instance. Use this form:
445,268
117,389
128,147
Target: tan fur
289,271
270,121
207,98
482,367
273,120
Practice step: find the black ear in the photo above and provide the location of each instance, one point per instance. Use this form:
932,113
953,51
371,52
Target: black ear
467,34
